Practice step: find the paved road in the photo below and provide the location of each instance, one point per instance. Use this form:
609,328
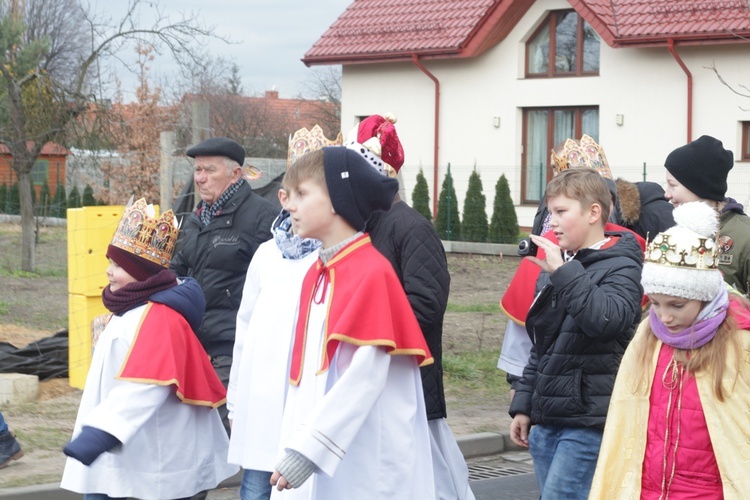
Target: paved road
516,487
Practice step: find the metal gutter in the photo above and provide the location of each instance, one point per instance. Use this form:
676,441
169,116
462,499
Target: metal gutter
670,46
415,59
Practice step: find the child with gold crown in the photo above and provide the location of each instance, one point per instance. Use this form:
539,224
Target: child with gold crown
147,425
677,422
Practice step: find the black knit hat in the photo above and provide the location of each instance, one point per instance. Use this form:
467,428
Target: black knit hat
218,146
356,189
702,166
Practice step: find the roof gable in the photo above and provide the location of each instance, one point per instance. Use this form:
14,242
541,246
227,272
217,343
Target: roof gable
396,30
654,22
382,30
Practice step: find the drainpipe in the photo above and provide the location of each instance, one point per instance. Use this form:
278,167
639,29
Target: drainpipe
670,45
415,58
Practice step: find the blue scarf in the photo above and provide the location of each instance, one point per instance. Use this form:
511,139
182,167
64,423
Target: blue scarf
292,246
207,212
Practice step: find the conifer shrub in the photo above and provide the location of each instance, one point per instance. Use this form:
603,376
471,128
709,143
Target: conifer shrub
59,203
88,197
420,198
74,198
447,219
504,223
474,225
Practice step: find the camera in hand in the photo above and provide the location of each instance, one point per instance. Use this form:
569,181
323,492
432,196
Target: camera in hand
527,248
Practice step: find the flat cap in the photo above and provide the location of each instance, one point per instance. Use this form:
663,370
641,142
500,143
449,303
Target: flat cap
218,146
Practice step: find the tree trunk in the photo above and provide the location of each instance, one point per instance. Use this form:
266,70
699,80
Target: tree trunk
28,241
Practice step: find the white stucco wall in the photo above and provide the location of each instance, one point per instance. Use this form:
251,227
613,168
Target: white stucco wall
645,85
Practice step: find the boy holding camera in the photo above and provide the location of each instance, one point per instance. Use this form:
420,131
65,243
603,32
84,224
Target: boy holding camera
584,315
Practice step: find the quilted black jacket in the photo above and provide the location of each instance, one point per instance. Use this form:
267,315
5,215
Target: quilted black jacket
409,241
217,257
580,325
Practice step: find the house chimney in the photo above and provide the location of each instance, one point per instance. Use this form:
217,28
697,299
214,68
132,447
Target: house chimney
272,94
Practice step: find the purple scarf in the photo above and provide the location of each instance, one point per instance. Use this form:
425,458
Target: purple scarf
702,331
137,293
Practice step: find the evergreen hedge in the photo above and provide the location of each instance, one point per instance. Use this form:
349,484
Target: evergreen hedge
88,197
74,198
59,203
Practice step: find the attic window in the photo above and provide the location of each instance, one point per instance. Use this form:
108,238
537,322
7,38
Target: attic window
564,45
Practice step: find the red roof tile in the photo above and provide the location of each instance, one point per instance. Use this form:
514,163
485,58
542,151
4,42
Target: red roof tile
653,22
395,30
378,30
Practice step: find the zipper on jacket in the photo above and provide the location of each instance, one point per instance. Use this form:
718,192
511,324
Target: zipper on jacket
554,299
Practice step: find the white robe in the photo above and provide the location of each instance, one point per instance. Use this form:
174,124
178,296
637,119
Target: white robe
362,423
169,449
260,367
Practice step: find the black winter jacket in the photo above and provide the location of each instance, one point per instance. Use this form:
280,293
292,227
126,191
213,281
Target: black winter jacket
217,256
409,241
580,325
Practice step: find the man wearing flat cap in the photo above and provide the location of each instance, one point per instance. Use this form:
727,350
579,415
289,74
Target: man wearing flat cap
217,242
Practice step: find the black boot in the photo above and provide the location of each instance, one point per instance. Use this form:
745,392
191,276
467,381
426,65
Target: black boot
9,448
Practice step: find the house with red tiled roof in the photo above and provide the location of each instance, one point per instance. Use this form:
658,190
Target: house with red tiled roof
494,85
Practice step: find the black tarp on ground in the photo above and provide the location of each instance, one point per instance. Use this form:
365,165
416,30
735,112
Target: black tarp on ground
47,358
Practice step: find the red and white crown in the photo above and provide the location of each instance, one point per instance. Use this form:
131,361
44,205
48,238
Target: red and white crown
375,138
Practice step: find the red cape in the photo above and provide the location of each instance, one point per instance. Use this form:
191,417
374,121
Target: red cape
367,305
165,351
519,295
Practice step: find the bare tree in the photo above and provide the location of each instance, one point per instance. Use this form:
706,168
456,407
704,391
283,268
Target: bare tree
45,76
744,92
323,88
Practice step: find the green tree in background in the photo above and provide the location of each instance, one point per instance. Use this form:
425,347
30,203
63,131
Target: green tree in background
14,201
59,203
88,197
474,225
447,221
420,198
45,200
3,197
504,224
74,198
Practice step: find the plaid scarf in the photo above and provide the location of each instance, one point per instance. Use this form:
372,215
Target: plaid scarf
292,246
207,212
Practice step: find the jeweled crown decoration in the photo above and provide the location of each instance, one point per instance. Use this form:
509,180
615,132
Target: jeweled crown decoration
684,249
304,141
584,153
141,233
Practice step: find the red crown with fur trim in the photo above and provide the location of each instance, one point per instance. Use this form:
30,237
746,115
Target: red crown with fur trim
376,135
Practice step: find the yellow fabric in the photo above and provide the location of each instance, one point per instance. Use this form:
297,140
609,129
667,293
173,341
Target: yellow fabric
618,471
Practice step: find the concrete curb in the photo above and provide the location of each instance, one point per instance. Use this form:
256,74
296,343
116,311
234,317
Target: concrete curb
472,446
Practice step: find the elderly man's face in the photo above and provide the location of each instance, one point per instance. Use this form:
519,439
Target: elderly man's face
213,177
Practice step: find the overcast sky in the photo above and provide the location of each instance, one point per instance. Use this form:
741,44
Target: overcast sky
271,37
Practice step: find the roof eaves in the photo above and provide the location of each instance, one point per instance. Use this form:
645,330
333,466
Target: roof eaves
379,57
683,39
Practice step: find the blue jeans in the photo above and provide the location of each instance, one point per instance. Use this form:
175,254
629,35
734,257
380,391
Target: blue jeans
564,460
3,425
256,485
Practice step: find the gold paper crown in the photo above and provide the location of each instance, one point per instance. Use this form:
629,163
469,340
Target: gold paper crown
141,233
304,141
683,248
584,153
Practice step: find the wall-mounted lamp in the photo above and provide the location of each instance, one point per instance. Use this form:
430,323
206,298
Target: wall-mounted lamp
620,119
496,121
